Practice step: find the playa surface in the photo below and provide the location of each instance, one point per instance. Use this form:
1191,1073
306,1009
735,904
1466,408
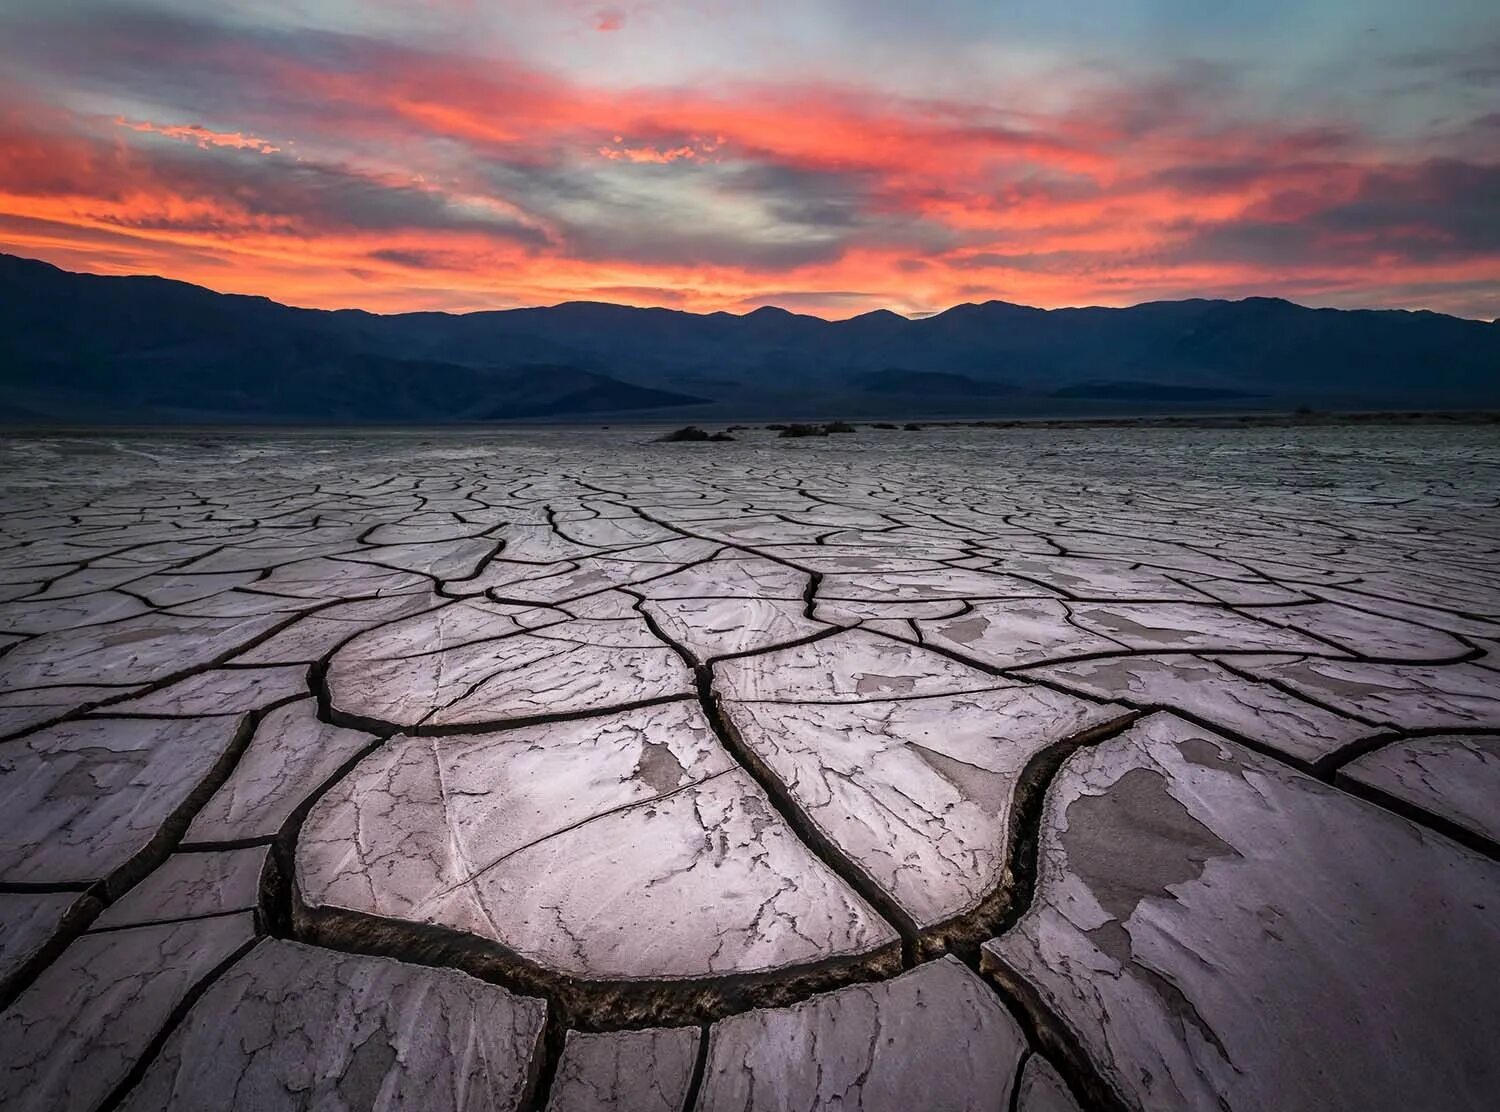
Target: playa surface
1141,768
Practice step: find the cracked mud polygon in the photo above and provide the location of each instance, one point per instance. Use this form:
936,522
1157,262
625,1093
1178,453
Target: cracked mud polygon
555,769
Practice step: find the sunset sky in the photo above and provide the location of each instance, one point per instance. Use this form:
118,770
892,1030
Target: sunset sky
828,156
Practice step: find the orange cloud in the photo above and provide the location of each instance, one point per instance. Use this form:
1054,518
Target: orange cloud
609,19
694,148
201,136
435,181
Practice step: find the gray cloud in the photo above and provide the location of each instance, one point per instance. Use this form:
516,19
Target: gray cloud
1439,210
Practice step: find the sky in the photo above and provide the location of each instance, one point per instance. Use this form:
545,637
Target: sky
827,156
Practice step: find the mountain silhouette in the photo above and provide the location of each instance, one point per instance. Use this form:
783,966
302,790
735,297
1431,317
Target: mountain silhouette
84,348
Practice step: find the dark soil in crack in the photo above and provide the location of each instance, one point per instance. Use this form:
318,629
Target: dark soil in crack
587,1005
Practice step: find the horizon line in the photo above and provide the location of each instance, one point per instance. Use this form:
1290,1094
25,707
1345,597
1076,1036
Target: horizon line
748,312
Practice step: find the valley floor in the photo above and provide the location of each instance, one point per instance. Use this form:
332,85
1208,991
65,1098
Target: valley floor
964,768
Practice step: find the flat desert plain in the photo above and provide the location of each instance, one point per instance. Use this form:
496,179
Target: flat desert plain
896,770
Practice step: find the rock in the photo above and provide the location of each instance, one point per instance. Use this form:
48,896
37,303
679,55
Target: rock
50,615
317,577
1408,696
145,649
293,1026
933,583
81,1027
851,666
1453,776
1096,579
1219,930
933,1038
616,527
714,627
918,792
489,675
1180,625
27,709
691,434
29,923
169,589
621,848
729,577
1253,592
427,529
1042,1090
1412,612
920,557
220,691
1207,690
537,544
313,636
191,885
443,559
242,604
643,1071
92,799
290,756
1008,634
854,611
1374,636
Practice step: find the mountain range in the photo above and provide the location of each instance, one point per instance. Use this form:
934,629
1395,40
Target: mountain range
84,349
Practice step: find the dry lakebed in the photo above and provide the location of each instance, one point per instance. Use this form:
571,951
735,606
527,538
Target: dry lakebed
557,769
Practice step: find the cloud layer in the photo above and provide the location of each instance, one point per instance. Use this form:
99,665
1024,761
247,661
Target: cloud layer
329,166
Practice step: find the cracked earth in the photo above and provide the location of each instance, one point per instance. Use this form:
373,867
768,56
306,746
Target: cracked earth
553,770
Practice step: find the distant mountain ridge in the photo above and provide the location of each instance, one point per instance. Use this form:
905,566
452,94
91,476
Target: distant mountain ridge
87,348
894,380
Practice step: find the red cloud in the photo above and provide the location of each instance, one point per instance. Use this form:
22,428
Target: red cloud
201,136
438,181
609,19
617,150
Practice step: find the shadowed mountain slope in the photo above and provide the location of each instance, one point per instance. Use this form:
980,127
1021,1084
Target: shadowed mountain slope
87,348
